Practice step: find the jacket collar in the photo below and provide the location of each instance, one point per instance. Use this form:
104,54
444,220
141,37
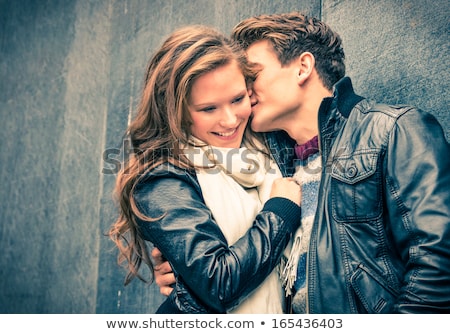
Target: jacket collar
344,98
334,112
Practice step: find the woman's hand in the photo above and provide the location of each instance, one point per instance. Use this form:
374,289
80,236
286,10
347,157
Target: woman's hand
288,188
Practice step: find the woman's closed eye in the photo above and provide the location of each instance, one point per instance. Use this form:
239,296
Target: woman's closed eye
208,109
238,99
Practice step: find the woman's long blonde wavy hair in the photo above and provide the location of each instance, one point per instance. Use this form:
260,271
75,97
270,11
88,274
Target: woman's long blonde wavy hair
162,124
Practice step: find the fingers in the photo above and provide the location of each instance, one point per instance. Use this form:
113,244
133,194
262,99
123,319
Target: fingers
165,290
288,188
157,256
163,268
291,179
164,276
164,282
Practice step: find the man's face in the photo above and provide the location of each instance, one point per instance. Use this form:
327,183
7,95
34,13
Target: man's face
275,90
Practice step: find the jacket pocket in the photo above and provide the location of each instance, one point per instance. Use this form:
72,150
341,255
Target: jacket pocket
373,292
356,187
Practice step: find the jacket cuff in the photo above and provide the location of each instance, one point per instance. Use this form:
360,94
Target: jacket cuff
287,210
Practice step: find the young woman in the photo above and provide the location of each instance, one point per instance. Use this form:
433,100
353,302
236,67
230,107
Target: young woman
200,187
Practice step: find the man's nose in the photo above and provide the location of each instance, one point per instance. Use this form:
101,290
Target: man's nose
253,99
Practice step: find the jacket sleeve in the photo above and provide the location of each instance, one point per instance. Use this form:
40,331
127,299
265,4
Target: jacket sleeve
219,275
418,175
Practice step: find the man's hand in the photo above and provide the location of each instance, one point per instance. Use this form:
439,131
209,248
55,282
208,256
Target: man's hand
164,276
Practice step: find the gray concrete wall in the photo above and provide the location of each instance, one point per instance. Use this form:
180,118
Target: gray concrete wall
397,50
70,74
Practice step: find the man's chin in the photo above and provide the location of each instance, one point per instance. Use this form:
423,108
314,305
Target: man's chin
258,127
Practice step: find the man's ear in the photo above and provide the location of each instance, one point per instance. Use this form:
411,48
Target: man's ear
306,63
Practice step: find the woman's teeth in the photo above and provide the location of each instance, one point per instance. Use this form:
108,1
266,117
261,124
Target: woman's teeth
226,134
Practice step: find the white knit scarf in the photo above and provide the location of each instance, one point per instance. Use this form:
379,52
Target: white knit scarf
309,182
235,189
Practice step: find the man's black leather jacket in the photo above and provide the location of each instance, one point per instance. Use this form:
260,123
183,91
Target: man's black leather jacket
212,276
380,241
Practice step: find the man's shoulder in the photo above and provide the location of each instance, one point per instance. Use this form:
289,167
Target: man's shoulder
384,117
372,108
370,116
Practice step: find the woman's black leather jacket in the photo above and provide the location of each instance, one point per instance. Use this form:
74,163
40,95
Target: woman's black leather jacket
211,275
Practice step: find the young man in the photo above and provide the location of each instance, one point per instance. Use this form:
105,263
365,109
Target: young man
375,235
